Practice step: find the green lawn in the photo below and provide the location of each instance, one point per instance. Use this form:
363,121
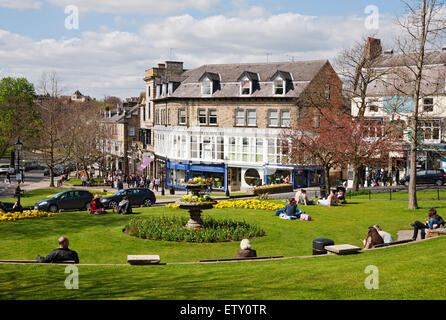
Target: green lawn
99,239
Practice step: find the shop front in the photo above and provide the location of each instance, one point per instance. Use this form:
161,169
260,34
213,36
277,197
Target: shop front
179,173
298,176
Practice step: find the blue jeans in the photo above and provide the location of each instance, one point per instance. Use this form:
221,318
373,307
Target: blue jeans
278,212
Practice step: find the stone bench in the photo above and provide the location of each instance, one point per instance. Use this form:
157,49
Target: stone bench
395,243
342,249
143,259
439,231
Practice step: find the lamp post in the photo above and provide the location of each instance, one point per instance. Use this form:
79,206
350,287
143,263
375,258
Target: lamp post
18,147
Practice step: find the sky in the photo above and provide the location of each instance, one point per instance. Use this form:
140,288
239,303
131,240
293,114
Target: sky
103,47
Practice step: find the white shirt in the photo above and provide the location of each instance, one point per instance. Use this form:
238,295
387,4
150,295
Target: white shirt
387,237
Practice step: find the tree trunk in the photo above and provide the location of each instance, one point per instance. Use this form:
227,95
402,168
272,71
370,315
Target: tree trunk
356,176
52,177
327,179
413,202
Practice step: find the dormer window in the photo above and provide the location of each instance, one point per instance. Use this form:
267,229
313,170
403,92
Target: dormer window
279,86
206,87
248,83
209,83
246,87
280,79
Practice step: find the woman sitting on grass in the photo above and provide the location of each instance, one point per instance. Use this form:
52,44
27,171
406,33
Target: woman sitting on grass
291,210
373,239
96,206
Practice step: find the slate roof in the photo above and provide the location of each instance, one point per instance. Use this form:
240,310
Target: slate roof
434,75
299,75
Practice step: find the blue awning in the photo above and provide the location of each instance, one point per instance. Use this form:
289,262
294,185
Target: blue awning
208,168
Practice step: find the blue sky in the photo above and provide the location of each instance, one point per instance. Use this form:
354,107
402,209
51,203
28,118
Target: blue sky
117,40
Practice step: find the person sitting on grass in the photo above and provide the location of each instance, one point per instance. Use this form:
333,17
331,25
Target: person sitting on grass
331,200
96,206
301,198
387,237
60,255
373,239
246,251
431,223
124,206
291,209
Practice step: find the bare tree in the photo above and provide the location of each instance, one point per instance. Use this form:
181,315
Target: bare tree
54,145
356,67
422,27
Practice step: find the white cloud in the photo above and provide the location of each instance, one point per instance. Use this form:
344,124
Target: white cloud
20,4
107,62
140,6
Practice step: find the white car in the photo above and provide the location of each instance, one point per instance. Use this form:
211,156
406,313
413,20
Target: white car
6,168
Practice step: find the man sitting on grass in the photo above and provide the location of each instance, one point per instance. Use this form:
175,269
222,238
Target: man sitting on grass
60,255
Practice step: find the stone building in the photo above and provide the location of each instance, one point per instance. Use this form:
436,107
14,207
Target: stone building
224,121
386,101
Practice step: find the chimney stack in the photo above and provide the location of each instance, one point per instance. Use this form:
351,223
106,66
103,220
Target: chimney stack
373,48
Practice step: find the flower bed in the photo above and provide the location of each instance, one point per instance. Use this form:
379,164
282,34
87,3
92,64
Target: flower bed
193,198
273,188
249,204
241,204
172,229
13,216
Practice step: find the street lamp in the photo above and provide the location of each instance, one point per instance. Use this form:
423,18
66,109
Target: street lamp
18,147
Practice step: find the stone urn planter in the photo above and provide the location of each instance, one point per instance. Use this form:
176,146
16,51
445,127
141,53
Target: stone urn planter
196,207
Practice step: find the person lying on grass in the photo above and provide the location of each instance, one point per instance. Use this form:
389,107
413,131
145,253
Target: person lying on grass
331,200
60,255
387,237
373,239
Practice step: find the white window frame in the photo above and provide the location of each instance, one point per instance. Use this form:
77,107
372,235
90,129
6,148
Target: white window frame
276,118
244,80
202,117
182,116
203,87
209,117
237,117
282,124
275,82
248,117
430,105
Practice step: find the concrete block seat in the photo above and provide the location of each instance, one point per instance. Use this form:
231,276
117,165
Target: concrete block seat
439,231
343,249
143,259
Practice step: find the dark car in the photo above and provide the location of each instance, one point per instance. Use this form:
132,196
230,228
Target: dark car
137,197
8,206
431,176
66,200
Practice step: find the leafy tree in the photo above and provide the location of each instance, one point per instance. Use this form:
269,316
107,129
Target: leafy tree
19,115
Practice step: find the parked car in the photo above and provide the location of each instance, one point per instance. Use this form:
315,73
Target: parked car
6,168
66,200
137,196
8,206
431,176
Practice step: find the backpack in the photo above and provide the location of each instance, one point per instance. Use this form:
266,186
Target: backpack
305,217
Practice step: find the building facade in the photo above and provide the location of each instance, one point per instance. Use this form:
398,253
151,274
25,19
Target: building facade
225,122
387,102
